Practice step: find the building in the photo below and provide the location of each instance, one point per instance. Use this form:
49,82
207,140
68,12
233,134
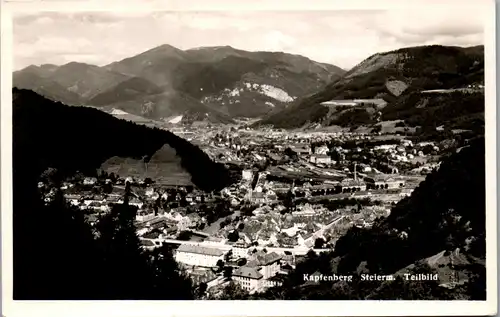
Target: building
144,215
258,197
301,149
320,159
352,185
247,174
384,181
248,278
269,263
240,250
321,150
89,181
274,281
198,256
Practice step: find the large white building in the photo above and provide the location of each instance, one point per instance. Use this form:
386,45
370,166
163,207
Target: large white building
198,256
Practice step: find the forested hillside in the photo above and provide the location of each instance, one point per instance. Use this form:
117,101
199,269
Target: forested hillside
393,77
57,255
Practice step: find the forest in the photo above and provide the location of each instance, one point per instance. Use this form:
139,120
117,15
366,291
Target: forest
57,255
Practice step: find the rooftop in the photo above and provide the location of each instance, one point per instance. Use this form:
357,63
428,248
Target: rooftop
248,272
188,248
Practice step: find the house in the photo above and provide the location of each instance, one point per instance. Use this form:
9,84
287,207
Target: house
320,159
270,264
248,278
240,250
202,276
301,149
258,198
144,215
247,174
321,150
89,181
198,256
149,192
136,202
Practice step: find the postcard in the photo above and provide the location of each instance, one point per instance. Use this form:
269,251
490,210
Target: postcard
259,159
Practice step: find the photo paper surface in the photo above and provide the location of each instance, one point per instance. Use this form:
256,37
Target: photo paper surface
247,159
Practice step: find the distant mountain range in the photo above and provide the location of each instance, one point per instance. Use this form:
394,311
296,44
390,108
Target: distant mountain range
209,83
398,81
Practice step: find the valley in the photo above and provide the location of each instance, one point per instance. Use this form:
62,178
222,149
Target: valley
255,168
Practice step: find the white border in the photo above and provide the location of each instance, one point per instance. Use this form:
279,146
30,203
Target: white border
235,308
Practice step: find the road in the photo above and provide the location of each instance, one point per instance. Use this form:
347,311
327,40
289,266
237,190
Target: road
225,247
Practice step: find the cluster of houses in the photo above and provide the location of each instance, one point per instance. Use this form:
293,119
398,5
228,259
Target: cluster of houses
262,269
268,227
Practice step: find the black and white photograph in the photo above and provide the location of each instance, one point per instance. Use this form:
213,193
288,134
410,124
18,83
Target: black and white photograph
266,156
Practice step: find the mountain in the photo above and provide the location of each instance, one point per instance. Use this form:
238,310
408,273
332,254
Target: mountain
162,106
208,83
31,78
387,77
235,82
440,229
78,80
126,90
250,84
86,80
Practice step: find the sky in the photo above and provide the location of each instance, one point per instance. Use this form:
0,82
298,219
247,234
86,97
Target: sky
343,38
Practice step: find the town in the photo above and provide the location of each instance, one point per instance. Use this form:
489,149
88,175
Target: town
298,192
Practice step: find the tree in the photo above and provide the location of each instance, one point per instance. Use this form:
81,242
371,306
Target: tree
228,255
220,264
319,243
166,273
228,272
233,291
242,262
233,236
51,176
184,235
201,290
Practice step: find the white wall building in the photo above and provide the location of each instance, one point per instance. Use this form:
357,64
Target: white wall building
198,256
249,278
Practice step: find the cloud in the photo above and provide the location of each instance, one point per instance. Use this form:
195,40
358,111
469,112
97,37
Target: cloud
278,41
343,38
421,26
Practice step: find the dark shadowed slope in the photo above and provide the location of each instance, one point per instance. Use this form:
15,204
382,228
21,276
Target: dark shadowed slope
57,254
49,134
